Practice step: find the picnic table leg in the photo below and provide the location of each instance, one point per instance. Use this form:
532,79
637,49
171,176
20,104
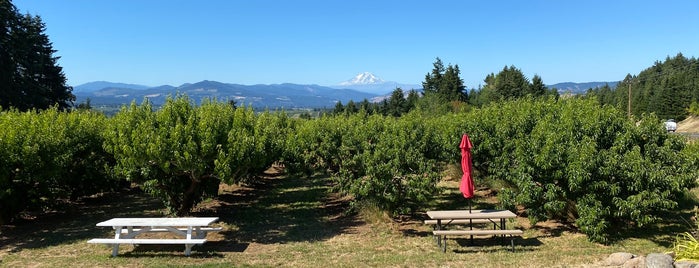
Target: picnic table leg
188,247
438,237
470,224
444,246
502,227
115,247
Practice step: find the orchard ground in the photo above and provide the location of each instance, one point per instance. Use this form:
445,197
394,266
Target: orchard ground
297,222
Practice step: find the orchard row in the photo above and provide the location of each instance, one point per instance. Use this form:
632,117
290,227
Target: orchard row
569,160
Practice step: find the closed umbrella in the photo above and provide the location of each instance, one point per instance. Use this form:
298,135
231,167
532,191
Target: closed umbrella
466,185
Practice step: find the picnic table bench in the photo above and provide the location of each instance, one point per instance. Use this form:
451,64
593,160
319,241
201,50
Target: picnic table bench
192,230
443,218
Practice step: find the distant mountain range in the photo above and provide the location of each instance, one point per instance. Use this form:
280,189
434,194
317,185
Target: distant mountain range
257,96
363,86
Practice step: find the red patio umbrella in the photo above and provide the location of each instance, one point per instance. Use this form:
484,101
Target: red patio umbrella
466,185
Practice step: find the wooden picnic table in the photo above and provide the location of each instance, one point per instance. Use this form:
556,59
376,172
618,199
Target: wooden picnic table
191,230
447,215
461,216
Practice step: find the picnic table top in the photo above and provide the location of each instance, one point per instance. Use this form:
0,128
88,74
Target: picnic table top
473,214
193,221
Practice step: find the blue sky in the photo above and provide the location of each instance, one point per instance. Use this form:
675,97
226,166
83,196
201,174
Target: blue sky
158,42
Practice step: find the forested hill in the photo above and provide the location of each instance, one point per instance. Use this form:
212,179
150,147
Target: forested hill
580,88
667,88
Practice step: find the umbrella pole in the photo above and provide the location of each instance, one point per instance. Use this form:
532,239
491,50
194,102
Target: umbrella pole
470,221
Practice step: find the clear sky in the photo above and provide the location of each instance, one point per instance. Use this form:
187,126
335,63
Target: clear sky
325,42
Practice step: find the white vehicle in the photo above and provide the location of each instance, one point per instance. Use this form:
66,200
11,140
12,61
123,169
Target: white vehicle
670,125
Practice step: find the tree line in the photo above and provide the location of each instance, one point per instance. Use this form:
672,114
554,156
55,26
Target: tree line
669,89
443,91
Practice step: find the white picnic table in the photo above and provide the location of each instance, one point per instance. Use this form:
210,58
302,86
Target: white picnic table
192,231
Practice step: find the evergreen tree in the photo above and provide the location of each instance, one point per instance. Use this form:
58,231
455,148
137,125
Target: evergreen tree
433,79
8,22
366,106
511,83
411,100
30,76
339,108
351,108
445,82
508,84
397,103
537,87
667,89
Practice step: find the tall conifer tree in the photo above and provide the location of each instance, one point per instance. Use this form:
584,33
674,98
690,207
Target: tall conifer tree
30,77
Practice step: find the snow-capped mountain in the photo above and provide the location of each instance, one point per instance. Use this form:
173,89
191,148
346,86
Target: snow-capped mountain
369,83
258,96
365,78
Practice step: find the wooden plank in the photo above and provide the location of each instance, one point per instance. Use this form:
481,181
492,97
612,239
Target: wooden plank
145,241
474,214
478,232
462,221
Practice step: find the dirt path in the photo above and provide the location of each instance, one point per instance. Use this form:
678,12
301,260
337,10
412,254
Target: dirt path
689,125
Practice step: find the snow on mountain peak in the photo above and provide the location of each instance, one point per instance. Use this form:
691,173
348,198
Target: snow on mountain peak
365,78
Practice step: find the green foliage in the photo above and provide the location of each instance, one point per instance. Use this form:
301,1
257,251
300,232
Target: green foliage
254,143
48,156
381,160
567,159
667,89
181,153
571,160
445,82
509,84
397,104
686,248
694,109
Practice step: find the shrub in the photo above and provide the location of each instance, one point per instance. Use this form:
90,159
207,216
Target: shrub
48,156
574,161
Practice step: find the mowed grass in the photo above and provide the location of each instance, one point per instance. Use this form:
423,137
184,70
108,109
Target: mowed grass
296,222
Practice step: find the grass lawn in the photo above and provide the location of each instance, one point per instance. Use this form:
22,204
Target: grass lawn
296,222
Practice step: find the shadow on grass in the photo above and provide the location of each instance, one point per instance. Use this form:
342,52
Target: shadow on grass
211,249
75,222
663,233
282,210
276,210
492,244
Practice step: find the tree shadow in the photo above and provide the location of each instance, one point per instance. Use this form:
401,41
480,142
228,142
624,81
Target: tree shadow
276,209
483,244
662,233
74,222
283,210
